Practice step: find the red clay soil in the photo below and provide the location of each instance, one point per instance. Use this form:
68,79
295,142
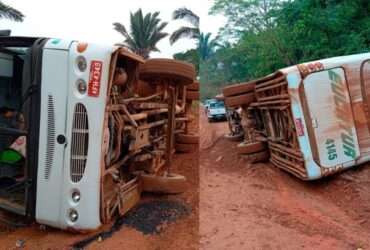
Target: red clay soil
182,234
244,206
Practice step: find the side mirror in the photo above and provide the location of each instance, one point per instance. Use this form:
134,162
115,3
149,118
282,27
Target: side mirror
5,32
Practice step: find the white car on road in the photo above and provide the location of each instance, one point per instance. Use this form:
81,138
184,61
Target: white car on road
216,111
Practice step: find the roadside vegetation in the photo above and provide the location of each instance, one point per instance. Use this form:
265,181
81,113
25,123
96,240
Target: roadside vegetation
261,36
188,32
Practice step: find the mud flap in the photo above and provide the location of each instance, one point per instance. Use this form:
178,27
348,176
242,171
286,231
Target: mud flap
170,184
129,196
121,198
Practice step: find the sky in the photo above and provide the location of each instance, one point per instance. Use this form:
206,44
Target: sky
91,21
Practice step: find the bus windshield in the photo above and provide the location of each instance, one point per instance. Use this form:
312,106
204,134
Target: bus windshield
13,131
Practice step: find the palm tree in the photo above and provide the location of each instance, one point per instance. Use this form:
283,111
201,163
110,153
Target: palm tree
145,32
188,32
206,45
8,12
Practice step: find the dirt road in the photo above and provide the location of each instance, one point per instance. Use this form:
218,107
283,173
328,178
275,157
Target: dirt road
245,206
181,234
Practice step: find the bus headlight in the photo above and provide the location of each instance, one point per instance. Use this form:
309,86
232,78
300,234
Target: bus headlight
76,196
81,63
81,86
73,215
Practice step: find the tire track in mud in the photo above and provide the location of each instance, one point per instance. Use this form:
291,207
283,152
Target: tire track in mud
300,213
209,137
298,206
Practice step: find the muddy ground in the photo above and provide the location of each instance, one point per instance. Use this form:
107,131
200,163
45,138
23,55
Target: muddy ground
179,234
244,206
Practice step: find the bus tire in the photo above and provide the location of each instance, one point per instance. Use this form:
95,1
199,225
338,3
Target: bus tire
171,71
238,89
240,100
250,148
187,138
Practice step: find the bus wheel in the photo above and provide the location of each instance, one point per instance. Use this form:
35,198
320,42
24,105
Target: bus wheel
240,100
195,86
192,95
167,71
250,148
185,148
238,89
187,138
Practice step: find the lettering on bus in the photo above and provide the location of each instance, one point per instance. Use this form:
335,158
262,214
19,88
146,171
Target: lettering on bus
343,112
95,78
331,149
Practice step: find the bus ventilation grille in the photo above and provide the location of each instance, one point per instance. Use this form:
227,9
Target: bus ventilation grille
79,143
50,143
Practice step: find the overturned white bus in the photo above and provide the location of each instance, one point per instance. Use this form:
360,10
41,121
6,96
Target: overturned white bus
76,133
312,119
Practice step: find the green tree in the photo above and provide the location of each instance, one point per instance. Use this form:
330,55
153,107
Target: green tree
190,56
9,12
206,48
246,15
206,45
314,29
185,31
286,33
145,32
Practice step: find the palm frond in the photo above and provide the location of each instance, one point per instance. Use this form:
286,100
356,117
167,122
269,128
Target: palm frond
162,26
156,38
186,14
207,46
145,32
183,32
120,28
9,12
